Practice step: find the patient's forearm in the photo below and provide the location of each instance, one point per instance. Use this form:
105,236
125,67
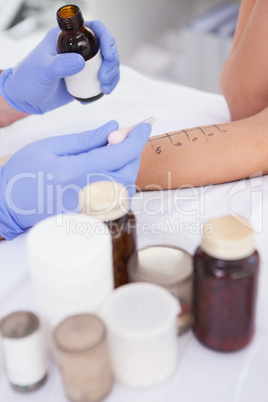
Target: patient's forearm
8,115
206,155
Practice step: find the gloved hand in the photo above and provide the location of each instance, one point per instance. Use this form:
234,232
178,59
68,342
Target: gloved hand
35,85
45,177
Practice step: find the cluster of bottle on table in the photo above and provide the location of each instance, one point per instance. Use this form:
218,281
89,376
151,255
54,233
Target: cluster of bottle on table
106,327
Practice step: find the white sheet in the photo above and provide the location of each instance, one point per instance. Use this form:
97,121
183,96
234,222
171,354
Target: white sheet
202,375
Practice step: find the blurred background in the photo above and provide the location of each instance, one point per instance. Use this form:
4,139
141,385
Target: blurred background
182,41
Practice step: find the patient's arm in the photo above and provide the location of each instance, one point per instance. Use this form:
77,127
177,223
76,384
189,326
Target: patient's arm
8,115
206,155
244,78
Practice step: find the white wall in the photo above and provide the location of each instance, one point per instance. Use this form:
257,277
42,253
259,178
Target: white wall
135,21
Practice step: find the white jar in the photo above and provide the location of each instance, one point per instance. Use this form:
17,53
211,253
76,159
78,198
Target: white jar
70,258
142,333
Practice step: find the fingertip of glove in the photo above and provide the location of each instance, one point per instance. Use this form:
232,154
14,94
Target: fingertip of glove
52,33
96,25
147,127
143,129
112,125
109,74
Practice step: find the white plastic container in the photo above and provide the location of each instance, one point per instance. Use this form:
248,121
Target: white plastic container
142,334
170,267
70,259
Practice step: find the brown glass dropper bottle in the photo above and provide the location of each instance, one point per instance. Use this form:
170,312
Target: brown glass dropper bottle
76,37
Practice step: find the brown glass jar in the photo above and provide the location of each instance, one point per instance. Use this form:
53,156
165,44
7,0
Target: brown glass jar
109,202
78,38
123,231
226,267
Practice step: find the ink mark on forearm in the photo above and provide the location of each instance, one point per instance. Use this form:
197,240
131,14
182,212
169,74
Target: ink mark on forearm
157,150
202,131
218,128
192,134
169,138
186,134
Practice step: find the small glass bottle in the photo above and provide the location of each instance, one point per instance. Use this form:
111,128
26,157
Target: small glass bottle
226,267
23,351
109,202
78,38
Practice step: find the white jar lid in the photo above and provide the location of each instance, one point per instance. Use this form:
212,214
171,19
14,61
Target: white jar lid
69,243
228,238
105,200
161,265
140,311
79,333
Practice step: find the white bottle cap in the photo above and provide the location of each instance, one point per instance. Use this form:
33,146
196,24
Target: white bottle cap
228,238
105,200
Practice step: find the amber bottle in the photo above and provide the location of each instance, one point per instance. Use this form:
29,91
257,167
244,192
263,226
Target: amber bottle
226,269
108,201
77,37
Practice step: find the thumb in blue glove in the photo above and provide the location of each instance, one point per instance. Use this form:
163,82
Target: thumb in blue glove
36,84
45,177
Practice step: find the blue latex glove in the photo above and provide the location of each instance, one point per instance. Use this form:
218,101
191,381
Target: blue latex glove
35,85
45,177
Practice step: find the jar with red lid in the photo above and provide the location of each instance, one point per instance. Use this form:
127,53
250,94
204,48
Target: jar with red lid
226,267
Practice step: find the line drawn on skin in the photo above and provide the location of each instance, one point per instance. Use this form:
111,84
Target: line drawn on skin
171,136
203,132
221,131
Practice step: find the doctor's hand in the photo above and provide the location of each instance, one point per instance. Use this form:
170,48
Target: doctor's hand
36,84
45,177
